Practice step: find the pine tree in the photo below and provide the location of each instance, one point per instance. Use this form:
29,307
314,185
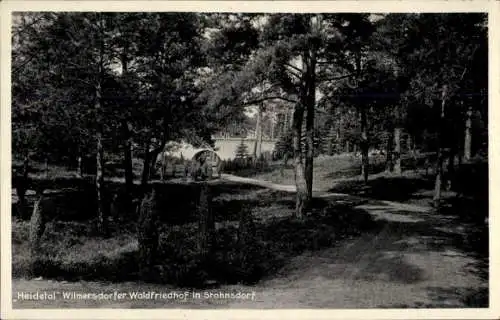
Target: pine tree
242,150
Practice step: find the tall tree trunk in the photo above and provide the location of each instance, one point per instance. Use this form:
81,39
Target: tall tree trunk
286,126
127,148
258,125
163,166
412,149
80,167
150,158
329,145
438,182
101,212
300,182
362,109
310,104
309,161
21,188
397,150
364,145
347,147
46,168
152,167
26,167
272,127
99,182
450,170
409,144
285,163
451,166
468,136
259,132
414,145
389,164
338,145
439,163
127,152
146,165
129,173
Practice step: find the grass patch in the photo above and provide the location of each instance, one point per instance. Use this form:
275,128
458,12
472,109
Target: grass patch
326,169
68,251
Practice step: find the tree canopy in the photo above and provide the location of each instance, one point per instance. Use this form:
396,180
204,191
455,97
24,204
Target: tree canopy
148,78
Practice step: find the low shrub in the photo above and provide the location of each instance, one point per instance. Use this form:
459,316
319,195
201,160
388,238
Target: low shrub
242,166
67,252
179,258
236,264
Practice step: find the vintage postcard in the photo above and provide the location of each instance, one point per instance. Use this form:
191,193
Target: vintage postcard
258,159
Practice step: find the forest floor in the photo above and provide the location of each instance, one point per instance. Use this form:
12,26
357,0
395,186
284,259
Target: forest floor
418,258
410,263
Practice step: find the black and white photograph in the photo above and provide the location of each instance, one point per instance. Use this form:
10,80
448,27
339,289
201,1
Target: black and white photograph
222,160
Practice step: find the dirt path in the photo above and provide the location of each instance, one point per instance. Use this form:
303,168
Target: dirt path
279,187
414,260
408,263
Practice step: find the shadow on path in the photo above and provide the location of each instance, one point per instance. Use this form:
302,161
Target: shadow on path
415,257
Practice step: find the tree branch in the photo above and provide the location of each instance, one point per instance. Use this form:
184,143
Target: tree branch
464,72
17,68
471,57
269,98
76,66
296,75
320,110
294,68
92,85
337,78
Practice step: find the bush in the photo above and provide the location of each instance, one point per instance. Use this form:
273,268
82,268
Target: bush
237,264
240,165
230,261
179,259
238,261
68,253
37,228
147,234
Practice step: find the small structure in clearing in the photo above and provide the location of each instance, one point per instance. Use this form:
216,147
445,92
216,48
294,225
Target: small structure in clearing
206,164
